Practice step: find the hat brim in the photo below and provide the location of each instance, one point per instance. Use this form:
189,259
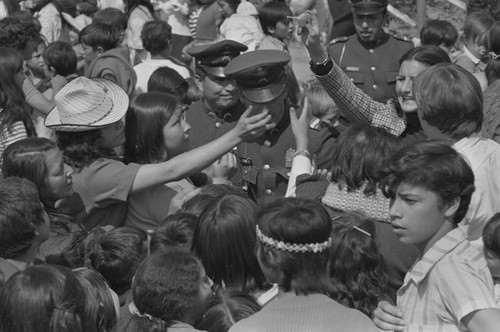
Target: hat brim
120,102
214,71
362,10
264,95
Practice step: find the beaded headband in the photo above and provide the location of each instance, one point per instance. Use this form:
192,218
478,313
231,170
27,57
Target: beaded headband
293,247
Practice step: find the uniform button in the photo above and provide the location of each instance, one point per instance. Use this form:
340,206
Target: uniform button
371,50
267,143
218,124
267,167
375,86
269,192
351,79
373,68
245,171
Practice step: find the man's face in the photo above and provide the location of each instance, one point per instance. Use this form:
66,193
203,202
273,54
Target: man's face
369,27
220,93
275,107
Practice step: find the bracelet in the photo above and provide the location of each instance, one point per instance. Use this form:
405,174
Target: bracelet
302,152
320,63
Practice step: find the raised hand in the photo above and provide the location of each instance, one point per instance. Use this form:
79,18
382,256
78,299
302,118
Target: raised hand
250,127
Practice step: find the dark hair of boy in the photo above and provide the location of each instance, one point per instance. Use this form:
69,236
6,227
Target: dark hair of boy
60,57
491,235
20,214
438,32
16,33
156,36
273,12
111,16
100,35
434,166
116,255
450,99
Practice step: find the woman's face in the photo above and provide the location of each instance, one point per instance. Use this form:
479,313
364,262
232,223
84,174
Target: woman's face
113,135
176,132
408,70
58,183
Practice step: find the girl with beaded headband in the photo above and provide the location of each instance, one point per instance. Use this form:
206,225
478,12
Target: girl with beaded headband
491,96
293,250
170,291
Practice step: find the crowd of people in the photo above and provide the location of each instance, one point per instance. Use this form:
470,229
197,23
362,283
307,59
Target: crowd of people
163,169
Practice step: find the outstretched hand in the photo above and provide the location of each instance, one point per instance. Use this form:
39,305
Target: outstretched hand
308,27
251,127
300,126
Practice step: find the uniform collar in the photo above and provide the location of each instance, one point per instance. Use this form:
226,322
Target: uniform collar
471,56
383,39
441,248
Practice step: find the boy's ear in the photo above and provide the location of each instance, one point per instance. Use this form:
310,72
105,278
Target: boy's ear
52,71
451,208
100,50
198,80
271,29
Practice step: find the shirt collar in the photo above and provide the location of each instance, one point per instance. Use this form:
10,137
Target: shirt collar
471,56
442,247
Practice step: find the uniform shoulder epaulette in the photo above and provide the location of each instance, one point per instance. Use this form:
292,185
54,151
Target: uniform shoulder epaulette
342,39
403,38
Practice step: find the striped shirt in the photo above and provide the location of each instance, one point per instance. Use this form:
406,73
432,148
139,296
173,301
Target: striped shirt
357,106
449,282
10,135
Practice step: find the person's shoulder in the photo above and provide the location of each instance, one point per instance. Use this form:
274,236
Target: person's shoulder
338,40
401,41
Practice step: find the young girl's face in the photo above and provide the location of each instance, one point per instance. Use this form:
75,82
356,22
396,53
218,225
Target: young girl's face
493,262
283,30
58,183
476,47
176,132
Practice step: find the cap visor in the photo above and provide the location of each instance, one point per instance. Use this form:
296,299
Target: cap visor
264,95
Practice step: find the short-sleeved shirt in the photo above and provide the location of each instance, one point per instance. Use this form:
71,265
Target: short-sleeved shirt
101,191
449,282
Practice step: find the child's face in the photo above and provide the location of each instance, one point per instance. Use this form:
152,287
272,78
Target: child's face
59,183
493,262
36,62
476,47
282,30
418,215
176,132
205,292
89,53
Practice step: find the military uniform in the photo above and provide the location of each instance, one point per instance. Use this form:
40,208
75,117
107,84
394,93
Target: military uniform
266,162
373,69
371,64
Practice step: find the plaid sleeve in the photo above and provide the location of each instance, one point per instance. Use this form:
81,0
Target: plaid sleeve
356,106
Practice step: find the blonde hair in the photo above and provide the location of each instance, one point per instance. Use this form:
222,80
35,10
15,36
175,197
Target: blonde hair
320,102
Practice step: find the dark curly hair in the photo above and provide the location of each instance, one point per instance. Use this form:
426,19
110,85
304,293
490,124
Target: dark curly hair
16,33
359,155
356,265
81,149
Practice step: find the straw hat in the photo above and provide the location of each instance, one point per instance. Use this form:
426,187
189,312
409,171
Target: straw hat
86,104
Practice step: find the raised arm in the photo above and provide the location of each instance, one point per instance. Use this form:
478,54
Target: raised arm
195,160
354,104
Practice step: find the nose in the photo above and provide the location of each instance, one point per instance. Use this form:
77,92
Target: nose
394,209
69,170
187,126
364,24
407,85
231,86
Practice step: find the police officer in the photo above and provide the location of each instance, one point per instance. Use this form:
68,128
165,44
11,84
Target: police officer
262,81
370,57
219,109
